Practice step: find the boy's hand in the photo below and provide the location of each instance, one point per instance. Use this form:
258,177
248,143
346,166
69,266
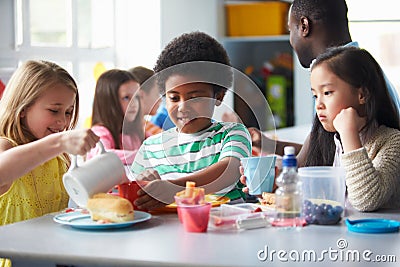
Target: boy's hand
243,179
156,194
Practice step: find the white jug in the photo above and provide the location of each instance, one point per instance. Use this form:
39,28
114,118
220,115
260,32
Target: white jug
97,175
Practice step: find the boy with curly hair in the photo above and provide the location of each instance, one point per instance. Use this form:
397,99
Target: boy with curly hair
193,72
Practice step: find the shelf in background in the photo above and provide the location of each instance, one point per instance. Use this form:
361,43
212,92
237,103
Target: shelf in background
250,54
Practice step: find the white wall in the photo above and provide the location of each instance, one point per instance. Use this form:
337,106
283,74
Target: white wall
137,33
377,29
6,33
182,16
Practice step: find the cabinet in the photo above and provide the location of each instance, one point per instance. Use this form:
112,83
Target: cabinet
179,16
275,82
291,101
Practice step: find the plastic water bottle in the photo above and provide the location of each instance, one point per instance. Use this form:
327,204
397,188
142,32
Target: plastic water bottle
288,196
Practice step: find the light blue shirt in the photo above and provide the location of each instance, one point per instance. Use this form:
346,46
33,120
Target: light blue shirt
161,118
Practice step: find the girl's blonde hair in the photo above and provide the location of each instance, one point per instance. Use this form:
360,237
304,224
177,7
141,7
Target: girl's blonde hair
26,85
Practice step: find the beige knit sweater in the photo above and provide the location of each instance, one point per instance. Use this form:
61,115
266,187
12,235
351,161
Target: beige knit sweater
373,172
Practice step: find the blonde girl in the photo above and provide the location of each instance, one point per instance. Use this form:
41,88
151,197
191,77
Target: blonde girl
38,111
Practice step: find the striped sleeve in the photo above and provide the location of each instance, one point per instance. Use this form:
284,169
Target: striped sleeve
139,164
174,155
236,142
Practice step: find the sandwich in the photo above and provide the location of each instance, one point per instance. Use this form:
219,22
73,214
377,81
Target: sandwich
268,199
107,208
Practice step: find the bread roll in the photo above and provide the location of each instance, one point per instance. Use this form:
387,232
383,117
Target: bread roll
268,199
110,208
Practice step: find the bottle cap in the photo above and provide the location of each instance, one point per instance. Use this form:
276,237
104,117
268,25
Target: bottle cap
289,159
289,150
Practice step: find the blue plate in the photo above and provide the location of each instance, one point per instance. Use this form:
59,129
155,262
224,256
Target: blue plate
373,225
83,221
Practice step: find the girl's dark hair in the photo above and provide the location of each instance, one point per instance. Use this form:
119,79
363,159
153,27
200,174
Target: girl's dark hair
106,106
321,150
141,74
358,68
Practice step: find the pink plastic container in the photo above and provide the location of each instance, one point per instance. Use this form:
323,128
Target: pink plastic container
194,217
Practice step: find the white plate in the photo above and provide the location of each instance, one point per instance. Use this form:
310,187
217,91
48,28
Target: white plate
83,221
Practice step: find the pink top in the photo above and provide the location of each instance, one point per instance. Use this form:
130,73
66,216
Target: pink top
130,145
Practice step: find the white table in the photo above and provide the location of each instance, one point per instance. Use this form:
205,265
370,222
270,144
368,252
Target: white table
162,241
296,134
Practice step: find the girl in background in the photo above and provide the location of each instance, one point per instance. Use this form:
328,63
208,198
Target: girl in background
150,97
116,98
352,101
38,111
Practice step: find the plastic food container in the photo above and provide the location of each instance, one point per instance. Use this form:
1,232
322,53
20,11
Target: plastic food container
323,194
194,217
240,216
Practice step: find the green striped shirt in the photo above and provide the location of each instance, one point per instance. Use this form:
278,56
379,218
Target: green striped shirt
174,155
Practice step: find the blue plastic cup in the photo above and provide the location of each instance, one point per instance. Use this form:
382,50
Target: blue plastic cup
260,173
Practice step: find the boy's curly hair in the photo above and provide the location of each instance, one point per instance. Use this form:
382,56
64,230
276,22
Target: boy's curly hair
194,47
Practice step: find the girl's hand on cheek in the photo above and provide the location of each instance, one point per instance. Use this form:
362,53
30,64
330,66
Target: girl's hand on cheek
348,124
348,121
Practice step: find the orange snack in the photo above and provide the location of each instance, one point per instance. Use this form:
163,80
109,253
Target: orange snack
189,188
191,195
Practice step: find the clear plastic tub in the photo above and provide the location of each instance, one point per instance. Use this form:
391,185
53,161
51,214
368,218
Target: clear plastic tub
240,216
323,194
